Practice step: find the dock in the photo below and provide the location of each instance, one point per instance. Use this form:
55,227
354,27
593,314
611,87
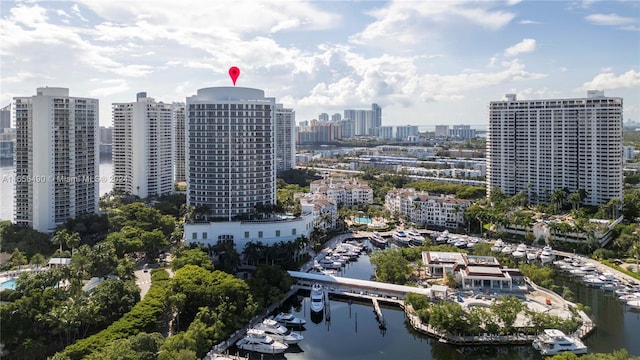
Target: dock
376,309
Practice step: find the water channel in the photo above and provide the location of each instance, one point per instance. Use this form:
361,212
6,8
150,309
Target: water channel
353,331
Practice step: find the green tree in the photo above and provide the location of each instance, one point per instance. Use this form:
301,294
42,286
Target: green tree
506,309
196,256
391,266
38,260
17,258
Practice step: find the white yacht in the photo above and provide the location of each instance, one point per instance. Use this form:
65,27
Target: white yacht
415,237
443,237
258,341
278,332
547,254
532,255
520,251
401,237
507,249
289,319
378,240
497,246
554,341
317,298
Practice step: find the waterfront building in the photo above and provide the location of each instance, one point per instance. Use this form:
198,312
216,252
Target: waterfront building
285,138
442,130
473,272
424,209
267,231
406,132
323,209
462,132
180,142
56,158
142,147
230,147
343,191
538,146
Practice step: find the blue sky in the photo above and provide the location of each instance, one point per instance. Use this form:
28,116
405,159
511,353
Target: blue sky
425,63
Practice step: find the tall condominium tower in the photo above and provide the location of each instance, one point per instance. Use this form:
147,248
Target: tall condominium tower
542,145
142,147
5,117
376,116
180,142
56,158
285,138
230,151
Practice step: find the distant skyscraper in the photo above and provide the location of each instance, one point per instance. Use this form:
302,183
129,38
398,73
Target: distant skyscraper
336,117
142,147
230,147
56,158
5,117
106,135
462,132
538,146
285,138
442,130
376,116
324,117
180,142
405,131
386,132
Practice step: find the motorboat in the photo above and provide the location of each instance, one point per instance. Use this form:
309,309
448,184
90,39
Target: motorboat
330,263
497,245
461,243
532,255
547,254
317,298
288,319
592,280
378,240
507,249
415,237
630,297
520,251
584,270
554,341
401,237
634,304
443,237
278,332
472,243
259,341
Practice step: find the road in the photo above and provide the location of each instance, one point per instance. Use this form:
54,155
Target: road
143,280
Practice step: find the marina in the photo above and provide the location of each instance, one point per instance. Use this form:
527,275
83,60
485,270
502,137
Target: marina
348,296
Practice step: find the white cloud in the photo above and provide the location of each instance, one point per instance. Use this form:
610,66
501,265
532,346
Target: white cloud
630,79
409,22
627,23
524,46
528,22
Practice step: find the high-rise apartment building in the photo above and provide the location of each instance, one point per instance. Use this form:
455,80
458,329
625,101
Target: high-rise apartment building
462,132
106,135
57,166
179,142
405,131
285,138
442,130
376,117
142,147
5,118
541,145
230,151
336,117
324,117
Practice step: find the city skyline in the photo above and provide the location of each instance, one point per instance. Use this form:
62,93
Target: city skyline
425,63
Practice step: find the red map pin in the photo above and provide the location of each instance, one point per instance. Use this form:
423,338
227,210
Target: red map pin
234,72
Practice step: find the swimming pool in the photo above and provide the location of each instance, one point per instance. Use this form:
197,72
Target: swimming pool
362,220
9,284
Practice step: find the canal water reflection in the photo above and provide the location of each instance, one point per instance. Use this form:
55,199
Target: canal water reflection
344,337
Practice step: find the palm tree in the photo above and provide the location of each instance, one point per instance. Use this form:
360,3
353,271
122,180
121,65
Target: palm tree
73,240
575,198
557,198
60,238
